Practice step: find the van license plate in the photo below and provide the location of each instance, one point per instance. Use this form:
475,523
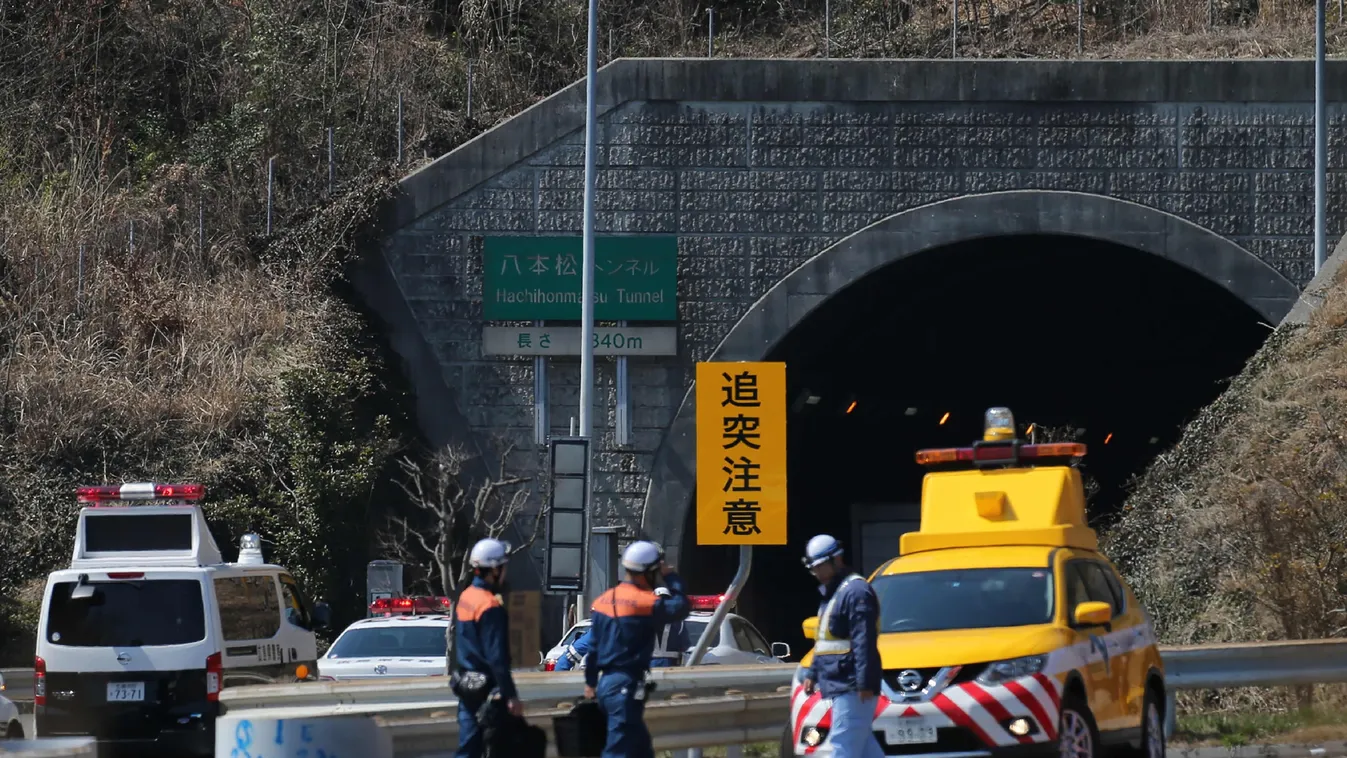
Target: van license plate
126,692
909,731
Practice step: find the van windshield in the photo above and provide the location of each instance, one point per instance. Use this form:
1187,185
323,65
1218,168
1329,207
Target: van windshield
131,613
930,601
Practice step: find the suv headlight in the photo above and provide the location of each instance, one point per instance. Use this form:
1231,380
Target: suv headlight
1004,671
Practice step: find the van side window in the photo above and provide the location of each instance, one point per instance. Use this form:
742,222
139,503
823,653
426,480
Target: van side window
249,608
296,610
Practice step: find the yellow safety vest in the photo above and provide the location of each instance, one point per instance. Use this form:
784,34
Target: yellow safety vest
825,643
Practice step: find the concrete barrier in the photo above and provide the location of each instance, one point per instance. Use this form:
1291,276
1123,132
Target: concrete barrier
50,747
278,734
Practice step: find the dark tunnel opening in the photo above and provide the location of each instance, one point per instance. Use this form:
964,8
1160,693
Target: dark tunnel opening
1119,346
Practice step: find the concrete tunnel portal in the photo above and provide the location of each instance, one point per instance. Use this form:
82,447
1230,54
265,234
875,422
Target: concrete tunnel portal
1083,335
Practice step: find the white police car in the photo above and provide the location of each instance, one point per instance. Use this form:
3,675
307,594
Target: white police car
405,636
737,642
137,638
11,728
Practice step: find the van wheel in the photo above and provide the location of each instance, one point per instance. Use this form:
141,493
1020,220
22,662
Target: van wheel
14,731
1077,734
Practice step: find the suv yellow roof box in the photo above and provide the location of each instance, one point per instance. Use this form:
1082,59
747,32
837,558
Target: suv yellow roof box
1006,506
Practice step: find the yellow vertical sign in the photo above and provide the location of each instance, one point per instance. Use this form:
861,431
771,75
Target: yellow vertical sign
741,453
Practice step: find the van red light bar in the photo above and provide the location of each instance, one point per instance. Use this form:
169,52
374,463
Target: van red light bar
139,491
999,453
410,606
705,602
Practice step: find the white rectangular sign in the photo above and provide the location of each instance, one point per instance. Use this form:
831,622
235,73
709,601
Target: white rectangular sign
565,340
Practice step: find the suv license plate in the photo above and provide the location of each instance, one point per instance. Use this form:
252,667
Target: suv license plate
126,692
909,731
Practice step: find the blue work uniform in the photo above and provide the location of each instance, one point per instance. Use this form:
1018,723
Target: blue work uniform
846,661
670,645
484,646
576,651
626,620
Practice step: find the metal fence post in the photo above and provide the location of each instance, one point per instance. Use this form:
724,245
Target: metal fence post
1080,27
710,32
1171,714
271,174
827,29
954,30
469,90
131,238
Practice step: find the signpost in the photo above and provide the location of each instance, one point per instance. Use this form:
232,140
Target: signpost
565,340
568,519
741,468
741,453
538,278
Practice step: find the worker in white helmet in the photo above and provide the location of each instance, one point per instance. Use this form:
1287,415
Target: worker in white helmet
671,641
846,667
482,645
626,619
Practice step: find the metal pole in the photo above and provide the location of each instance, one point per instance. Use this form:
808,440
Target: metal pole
732,594
399,128
539,396
622,434
79,277
1080,27
200,225
131,238
1171,714
1320,139
331,162
954,30
710,32
827,29
587,271
470,90
271,173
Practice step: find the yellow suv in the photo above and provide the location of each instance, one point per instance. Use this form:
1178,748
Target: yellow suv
1003,629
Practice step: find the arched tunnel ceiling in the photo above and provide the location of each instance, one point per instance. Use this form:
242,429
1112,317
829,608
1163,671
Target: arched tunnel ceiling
840,270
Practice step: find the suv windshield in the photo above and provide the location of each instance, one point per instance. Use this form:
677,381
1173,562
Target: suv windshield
964,599
386,642
133,613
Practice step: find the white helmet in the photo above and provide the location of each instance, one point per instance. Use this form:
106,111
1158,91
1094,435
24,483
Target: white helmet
489,553
641,557
821,549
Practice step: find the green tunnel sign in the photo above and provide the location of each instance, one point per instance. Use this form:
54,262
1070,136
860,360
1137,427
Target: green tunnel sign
538,278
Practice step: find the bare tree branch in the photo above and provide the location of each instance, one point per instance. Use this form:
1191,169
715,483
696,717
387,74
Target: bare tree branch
450,510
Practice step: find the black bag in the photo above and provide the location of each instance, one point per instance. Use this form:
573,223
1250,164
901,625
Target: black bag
508,736
583,732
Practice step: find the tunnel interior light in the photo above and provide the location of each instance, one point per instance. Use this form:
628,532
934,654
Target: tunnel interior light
944,418
1155,440
998,425
910,412
851,407
1108,438
812,400
1030,430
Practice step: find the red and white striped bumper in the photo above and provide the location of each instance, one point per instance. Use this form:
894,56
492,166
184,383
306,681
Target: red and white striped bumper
976,709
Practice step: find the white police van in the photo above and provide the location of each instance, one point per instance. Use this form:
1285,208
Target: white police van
137,638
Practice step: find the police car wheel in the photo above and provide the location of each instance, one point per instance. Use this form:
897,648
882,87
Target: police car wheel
787,743
14,731
1077,736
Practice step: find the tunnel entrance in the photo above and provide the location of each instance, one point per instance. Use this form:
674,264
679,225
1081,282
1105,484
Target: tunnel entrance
1112,346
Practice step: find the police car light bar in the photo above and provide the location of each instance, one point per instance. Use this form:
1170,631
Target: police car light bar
999,453
410,606
705,602
139,491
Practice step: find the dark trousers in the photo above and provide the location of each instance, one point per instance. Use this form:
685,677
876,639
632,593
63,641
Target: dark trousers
470,743
627,735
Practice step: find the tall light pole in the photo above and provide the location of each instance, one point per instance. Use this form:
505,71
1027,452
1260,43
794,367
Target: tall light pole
587,289
1320,139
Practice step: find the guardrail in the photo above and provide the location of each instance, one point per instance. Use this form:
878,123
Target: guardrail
406,706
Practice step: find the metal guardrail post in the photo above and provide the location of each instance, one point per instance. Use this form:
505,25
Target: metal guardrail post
718,618
1171,715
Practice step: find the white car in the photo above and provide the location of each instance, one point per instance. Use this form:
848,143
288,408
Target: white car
738,642
409,638
11,728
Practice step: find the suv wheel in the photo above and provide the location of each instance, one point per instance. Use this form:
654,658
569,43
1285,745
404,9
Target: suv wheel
1152,727
1077,735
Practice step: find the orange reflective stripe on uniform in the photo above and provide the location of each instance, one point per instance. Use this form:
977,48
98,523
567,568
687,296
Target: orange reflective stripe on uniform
474,602
625,600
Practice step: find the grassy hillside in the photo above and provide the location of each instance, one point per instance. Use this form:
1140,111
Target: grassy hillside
153,329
